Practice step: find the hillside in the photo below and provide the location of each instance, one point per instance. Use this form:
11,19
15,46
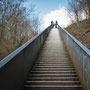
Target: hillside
81,32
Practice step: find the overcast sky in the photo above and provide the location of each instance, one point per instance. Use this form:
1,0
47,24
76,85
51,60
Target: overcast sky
51,10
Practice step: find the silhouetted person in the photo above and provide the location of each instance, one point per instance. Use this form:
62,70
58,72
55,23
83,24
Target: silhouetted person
56,24
52,24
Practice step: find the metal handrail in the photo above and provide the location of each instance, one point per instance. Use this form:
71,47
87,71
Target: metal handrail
18,50
85,49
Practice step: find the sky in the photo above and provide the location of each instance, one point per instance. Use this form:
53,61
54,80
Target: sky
49,10
45,6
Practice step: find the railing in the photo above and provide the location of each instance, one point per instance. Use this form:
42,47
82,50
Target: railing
80,56
15,67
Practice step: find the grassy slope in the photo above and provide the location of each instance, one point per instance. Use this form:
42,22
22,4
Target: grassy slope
81,32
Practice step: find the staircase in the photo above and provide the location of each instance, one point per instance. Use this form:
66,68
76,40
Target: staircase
53,70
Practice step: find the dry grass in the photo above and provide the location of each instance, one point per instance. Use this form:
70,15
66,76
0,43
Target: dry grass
81,32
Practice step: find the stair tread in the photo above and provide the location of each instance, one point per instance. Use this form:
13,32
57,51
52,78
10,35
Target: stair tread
44,82
53,81
53,74
53,64
53,71
53,68
54,86
62,66
53,77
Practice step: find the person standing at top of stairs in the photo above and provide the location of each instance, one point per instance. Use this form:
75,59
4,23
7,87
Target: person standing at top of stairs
56,24
52,24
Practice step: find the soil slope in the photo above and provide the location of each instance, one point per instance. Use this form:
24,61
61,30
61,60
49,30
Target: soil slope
81,31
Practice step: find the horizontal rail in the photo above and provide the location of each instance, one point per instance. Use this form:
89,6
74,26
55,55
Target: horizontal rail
15,67
80,56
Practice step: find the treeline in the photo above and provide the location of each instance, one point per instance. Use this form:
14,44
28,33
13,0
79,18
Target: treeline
17,25
79,6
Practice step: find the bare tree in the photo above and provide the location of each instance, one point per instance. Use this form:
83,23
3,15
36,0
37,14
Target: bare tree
85,5
73,6
15,26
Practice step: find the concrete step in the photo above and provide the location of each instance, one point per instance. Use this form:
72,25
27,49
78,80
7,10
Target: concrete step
48,64
61,55
53,58
55,66
53,72
53,87
53,75
61,52
53,78
53,63
53,69
52,82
